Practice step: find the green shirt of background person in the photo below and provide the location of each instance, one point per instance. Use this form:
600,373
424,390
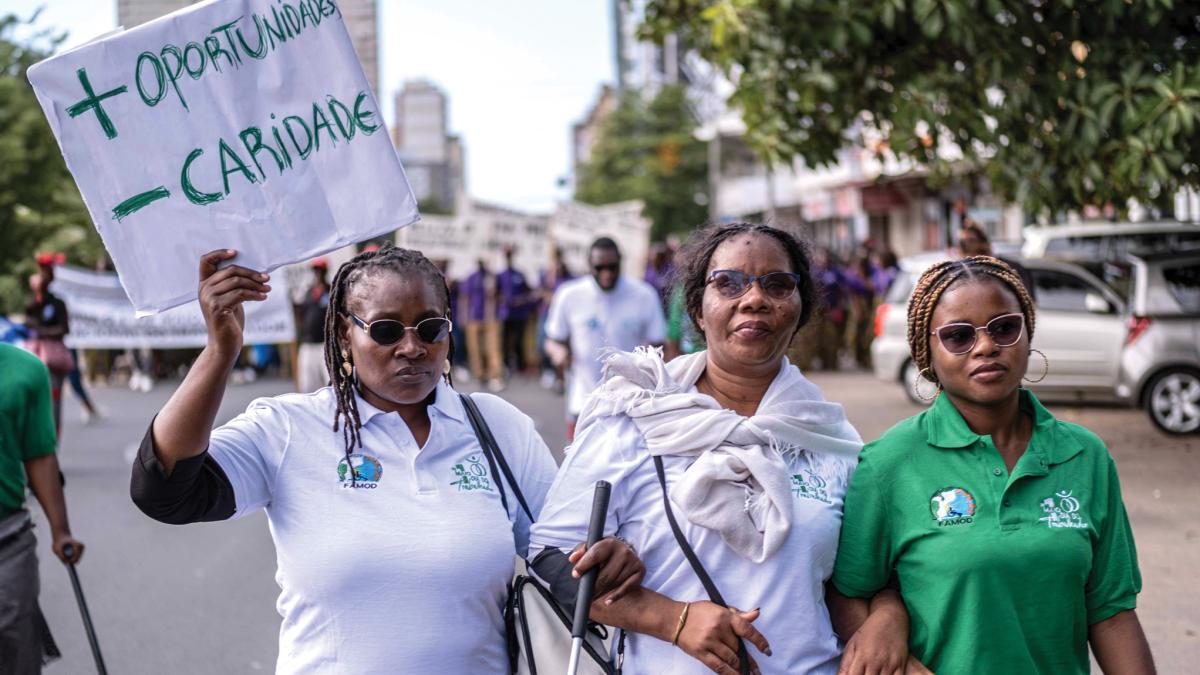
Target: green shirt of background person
1003,527
27,443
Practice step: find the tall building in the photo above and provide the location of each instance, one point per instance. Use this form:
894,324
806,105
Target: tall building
641,64
432,158
359,16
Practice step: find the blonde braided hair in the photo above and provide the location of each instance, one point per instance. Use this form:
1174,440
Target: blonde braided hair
936,280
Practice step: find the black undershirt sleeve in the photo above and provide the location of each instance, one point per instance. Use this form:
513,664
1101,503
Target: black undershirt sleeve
197,491
553,567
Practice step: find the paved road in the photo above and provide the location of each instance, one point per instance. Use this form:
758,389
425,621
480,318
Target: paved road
200,599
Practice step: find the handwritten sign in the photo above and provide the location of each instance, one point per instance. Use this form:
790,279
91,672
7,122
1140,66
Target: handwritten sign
103,318
243,124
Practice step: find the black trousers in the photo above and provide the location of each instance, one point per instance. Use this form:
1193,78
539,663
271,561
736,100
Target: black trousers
514,345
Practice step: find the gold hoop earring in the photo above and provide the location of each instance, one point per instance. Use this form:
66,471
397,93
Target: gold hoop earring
1046,369
917,386
347,368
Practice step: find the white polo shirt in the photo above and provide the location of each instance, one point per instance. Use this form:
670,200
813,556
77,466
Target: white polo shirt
592,320
406,571
789,586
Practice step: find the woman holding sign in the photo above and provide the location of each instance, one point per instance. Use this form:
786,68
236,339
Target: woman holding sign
393,541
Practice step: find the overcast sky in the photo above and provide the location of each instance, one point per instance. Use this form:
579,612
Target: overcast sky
518,74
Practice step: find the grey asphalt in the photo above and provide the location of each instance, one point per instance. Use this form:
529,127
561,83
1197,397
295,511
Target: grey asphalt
200,599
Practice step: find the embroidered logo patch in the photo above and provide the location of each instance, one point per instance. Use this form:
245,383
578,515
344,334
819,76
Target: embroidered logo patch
472,475
810,485
367,472
1062,513
952,506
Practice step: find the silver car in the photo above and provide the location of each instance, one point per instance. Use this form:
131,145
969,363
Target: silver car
1139,348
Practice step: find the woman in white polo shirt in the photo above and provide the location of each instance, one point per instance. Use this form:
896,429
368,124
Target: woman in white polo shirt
394,547
755,462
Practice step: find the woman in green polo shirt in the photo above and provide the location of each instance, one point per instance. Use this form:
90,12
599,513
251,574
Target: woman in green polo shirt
1003,526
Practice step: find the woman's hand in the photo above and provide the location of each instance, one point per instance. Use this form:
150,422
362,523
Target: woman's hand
222,292
711,634
878,647
621,570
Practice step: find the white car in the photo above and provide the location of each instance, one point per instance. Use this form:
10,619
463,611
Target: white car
1081,328
1100,241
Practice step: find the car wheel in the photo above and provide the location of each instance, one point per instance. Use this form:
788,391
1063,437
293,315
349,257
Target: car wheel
1173,401
925,387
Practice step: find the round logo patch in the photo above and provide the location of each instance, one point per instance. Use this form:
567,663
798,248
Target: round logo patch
367,471
952,506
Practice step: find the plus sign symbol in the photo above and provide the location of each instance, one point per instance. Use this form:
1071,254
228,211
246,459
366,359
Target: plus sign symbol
93,102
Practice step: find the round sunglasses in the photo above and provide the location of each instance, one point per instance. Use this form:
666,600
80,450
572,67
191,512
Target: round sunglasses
387,332
732,284
960,338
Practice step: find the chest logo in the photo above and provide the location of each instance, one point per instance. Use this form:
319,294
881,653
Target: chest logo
1063,512
952,506
367,471
471,475
810,485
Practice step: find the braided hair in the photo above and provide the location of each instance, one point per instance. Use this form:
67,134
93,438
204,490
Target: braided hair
942,277
389,258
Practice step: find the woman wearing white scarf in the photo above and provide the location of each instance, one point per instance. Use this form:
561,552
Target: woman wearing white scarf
756,464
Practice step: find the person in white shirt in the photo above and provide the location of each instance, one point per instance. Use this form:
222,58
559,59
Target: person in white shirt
756,464
592,315
394,544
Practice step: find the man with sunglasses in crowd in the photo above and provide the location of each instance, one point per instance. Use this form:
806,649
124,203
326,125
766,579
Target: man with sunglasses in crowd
592,314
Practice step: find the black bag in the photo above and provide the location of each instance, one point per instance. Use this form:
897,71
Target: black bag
537,628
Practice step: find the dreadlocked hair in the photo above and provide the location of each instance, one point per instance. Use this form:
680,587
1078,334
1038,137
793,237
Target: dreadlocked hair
940,278
389,258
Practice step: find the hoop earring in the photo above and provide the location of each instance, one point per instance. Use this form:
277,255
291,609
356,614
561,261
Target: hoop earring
917,388
1045,371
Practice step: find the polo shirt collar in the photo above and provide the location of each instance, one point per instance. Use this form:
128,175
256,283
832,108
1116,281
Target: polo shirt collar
945,428
445,402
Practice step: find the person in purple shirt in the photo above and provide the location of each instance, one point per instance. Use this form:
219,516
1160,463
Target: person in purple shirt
821,339
659,271
483,331
860,291
514,305
548,282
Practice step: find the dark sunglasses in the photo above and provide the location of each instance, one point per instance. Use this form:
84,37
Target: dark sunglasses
388,332
960,338
610,267
733,284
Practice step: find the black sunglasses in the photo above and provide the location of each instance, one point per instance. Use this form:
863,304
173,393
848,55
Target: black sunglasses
610,267
388,332
733,284
960,338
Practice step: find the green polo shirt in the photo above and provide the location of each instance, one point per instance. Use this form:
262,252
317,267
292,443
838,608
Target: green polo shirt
26,421
1000,573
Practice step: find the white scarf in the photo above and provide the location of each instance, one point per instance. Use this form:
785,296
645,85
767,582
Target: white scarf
739,485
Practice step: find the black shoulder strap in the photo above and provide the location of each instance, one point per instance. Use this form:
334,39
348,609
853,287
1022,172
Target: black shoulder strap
491,450
705,580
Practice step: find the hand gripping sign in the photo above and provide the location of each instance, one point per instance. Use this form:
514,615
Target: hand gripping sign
242,124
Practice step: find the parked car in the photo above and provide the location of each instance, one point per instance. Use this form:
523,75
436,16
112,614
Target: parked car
1141,349
1098,242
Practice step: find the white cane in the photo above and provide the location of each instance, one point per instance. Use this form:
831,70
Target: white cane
587,585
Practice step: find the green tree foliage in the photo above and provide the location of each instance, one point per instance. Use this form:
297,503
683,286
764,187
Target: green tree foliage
40,207
647,150
1061,103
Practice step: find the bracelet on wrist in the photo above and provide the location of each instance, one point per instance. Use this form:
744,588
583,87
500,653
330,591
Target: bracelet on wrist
682,622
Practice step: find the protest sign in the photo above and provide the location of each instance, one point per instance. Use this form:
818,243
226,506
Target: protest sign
241,124
102,317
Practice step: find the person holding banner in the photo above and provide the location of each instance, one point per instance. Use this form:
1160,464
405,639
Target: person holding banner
394,546
755,463
1003,526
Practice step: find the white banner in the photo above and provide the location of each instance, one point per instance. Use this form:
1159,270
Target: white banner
101,316
242,124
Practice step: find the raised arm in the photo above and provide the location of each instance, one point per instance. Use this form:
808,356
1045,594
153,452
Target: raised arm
181,429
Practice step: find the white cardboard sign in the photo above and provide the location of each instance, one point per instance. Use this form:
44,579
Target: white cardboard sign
102,318
242,124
